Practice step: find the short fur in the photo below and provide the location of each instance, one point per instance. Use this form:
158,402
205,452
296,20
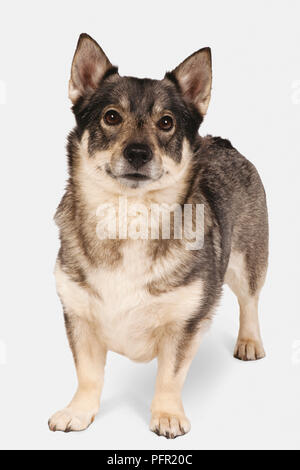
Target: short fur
152,298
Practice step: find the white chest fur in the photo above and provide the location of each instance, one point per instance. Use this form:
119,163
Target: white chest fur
125,310
130,320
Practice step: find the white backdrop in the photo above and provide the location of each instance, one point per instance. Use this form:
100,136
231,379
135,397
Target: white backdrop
256,104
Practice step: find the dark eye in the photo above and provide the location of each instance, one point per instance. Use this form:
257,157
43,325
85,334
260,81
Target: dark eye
165,123
112,118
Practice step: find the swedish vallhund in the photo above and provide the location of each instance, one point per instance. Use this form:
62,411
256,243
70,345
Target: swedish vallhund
136,146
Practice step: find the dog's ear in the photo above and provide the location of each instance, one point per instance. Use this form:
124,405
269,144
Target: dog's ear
89,66
194,77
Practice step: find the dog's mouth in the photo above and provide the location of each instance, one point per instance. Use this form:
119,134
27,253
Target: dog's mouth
135,177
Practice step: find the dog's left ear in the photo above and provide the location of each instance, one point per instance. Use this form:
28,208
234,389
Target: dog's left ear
194,77
89,66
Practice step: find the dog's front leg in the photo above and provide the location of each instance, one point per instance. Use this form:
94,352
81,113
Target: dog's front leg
89,356
175,355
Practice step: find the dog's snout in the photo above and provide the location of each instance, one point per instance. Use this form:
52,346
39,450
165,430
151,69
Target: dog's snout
137,154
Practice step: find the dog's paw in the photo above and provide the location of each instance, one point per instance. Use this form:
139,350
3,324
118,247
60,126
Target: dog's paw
249,350
68,420
169,426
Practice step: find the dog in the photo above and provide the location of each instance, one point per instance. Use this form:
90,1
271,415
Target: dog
152,297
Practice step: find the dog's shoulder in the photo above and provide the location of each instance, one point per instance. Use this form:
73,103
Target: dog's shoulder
223,168
218,142
217,151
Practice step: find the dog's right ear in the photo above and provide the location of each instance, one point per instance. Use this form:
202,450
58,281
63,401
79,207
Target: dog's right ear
89,66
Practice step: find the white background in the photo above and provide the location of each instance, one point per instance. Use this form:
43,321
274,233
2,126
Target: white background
256,104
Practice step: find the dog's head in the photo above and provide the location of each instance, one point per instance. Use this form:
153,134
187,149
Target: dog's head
138,132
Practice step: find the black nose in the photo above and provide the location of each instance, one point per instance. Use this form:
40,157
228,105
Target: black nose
137,154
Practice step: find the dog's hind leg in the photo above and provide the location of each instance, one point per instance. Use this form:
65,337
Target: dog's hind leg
249,346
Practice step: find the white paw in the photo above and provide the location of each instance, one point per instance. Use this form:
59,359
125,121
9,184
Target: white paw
249,350
68,420
169,426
